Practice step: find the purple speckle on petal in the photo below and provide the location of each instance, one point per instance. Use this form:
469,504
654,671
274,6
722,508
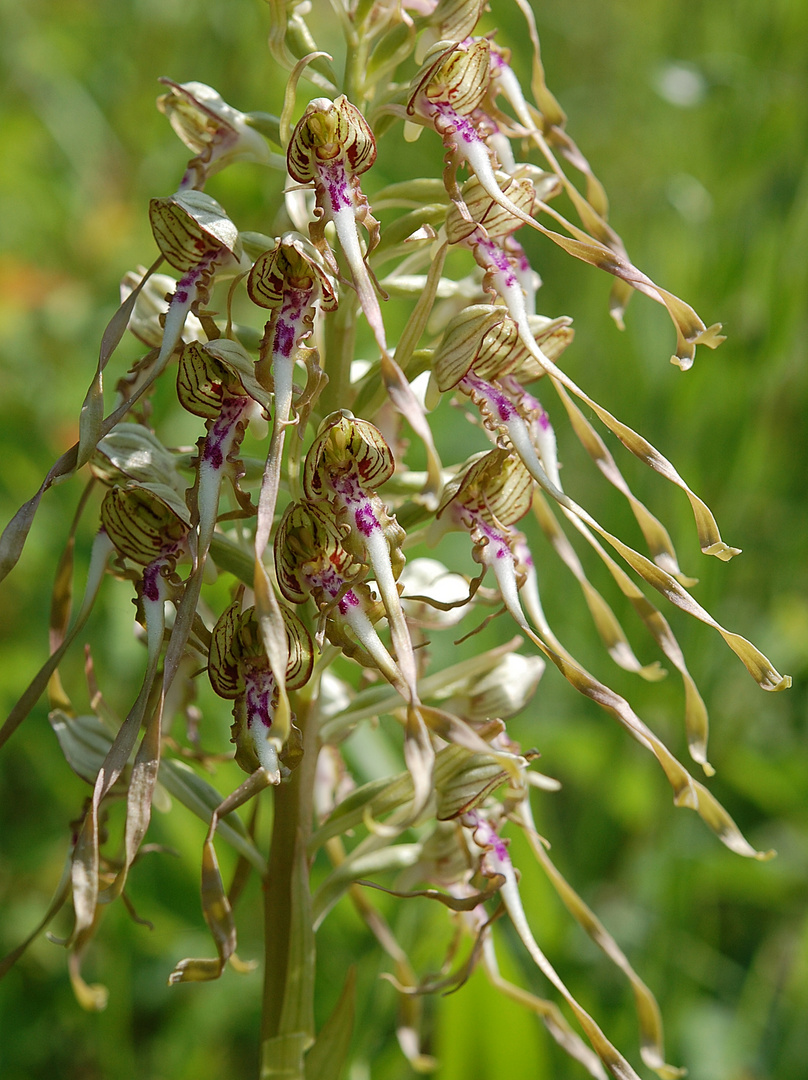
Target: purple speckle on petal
335,182
497,401
497,260
463,127
213,455
350,599
220,435
500,849
366,520
258,698
284,338
151,585
505,410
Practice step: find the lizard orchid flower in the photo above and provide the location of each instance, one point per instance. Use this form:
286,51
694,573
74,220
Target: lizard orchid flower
311,559
517,419
217,133
150,526
491,495
196,237
290,281
475,341
347,461
446,93
239,670
331,146
207,388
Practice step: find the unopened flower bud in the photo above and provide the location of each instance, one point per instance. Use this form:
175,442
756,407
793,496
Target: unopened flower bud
431,579
131,452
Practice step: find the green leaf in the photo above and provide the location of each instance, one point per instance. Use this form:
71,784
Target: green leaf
201,798
326,1059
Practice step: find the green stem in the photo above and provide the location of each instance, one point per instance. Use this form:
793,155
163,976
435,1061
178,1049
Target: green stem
289,938
356,66
340,340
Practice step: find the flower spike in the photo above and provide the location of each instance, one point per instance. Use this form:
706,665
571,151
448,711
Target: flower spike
313,474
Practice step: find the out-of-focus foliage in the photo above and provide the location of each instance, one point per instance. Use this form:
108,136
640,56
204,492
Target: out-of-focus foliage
695,116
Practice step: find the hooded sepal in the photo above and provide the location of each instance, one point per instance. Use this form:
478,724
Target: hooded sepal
192,229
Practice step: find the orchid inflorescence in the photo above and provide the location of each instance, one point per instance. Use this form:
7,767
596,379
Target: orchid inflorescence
328,624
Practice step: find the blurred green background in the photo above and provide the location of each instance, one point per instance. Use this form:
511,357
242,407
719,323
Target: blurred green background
695,116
